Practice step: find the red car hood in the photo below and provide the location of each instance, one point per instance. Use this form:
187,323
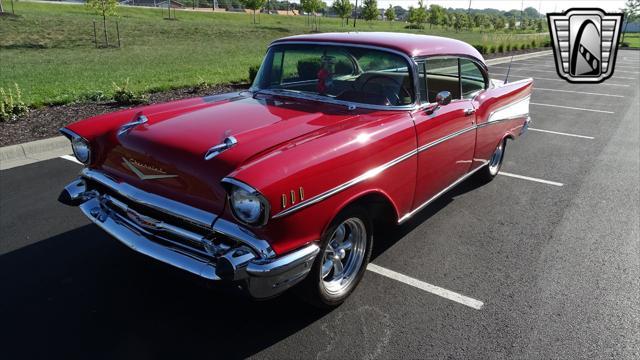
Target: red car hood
173,143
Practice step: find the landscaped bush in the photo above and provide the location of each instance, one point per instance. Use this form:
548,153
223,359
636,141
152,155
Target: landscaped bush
481,49
507,47
491,49
11,104
123,95
522,46
200,85
534,43
94,96
414,26
253,72
500,48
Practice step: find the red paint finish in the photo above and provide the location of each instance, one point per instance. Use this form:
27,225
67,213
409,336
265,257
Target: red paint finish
285,144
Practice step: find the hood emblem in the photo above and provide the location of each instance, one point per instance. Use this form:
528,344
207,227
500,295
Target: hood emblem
226,144
134,166
139,119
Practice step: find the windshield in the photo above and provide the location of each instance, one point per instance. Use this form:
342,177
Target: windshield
351,74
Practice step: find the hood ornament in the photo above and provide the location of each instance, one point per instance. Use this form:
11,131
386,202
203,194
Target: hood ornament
133,165
226,144
139,119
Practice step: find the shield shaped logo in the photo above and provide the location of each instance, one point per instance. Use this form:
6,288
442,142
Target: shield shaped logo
585,44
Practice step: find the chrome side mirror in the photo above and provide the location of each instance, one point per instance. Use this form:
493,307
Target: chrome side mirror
443,98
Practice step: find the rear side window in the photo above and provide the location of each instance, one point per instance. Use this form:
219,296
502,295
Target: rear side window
471,79
442,75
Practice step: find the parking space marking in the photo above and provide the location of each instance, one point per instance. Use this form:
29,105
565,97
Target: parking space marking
433,289
529,178
541,78
561,133
573,108
70,158
578,92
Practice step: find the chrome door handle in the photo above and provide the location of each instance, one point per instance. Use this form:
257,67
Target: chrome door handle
468,112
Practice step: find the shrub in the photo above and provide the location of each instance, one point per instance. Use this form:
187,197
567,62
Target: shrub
125,96
507,47
11,105
96,95
491,49
253,72
500,48
534,43
481,49
522,46
414,26
624,44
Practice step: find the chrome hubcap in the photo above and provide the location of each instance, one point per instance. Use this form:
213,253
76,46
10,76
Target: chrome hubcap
343,256
496,159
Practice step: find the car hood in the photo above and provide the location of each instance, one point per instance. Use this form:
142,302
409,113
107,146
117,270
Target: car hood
166,154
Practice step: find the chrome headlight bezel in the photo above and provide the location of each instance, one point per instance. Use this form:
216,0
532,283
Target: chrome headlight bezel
81,150
80,146
238,190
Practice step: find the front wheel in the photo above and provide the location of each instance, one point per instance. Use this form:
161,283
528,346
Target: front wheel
489,171
345,249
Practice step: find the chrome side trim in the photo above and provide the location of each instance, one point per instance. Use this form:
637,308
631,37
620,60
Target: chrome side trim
517,109
423,205
70,134
367,175
443,139
157,202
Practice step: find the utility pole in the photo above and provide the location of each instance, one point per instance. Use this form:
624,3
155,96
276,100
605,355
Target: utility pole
469,10
355,14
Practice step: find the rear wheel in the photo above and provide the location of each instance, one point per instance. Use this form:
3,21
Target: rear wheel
489,171
344,253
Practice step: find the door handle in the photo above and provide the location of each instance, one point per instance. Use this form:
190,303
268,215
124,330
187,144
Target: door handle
468,112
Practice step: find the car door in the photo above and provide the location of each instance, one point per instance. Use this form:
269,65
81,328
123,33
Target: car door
446,134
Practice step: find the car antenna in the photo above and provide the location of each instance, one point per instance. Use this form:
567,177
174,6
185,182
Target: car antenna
506,78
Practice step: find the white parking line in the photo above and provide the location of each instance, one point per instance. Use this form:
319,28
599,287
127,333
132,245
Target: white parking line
541,78
555,72
573,108
70,158
436,290
561,133
578,92
554,183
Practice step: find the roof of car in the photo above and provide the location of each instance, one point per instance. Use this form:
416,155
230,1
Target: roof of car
410,44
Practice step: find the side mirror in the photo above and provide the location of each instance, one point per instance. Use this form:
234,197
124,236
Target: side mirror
443,98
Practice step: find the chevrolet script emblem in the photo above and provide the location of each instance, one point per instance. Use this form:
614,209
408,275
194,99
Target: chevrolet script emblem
585,43
134,166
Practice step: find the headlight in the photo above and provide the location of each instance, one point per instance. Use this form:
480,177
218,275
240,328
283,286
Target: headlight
247,204
81,150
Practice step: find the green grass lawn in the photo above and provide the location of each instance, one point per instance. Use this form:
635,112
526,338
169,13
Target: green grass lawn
633,39
48,49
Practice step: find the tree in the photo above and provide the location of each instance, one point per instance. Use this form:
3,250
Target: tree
103,8
436,15
418,16
343,9
400,12
390,14
461,21
631,14
498,22
512,24
252,5
370,10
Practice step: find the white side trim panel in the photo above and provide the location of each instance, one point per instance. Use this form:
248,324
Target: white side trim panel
512,111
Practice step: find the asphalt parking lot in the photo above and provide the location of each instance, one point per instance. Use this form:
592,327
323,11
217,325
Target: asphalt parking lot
543,262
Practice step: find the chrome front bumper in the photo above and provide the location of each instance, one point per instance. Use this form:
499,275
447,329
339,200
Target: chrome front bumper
219,250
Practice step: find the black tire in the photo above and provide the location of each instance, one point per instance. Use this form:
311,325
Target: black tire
489,171
314,289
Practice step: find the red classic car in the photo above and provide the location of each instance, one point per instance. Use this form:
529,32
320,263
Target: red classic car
281,185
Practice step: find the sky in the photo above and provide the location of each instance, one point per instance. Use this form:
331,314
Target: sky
544,6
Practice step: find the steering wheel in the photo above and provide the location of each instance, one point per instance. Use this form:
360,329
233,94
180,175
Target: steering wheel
394,84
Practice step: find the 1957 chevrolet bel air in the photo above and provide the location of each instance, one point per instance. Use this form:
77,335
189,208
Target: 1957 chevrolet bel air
281,185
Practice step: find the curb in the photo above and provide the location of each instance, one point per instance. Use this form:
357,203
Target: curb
33,151
507,59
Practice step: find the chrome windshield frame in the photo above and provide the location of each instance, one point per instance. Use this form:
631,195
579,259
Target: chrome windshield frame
411,67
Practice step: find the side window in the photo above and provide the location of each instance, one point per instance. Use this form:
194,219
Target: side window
442,75
471,78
